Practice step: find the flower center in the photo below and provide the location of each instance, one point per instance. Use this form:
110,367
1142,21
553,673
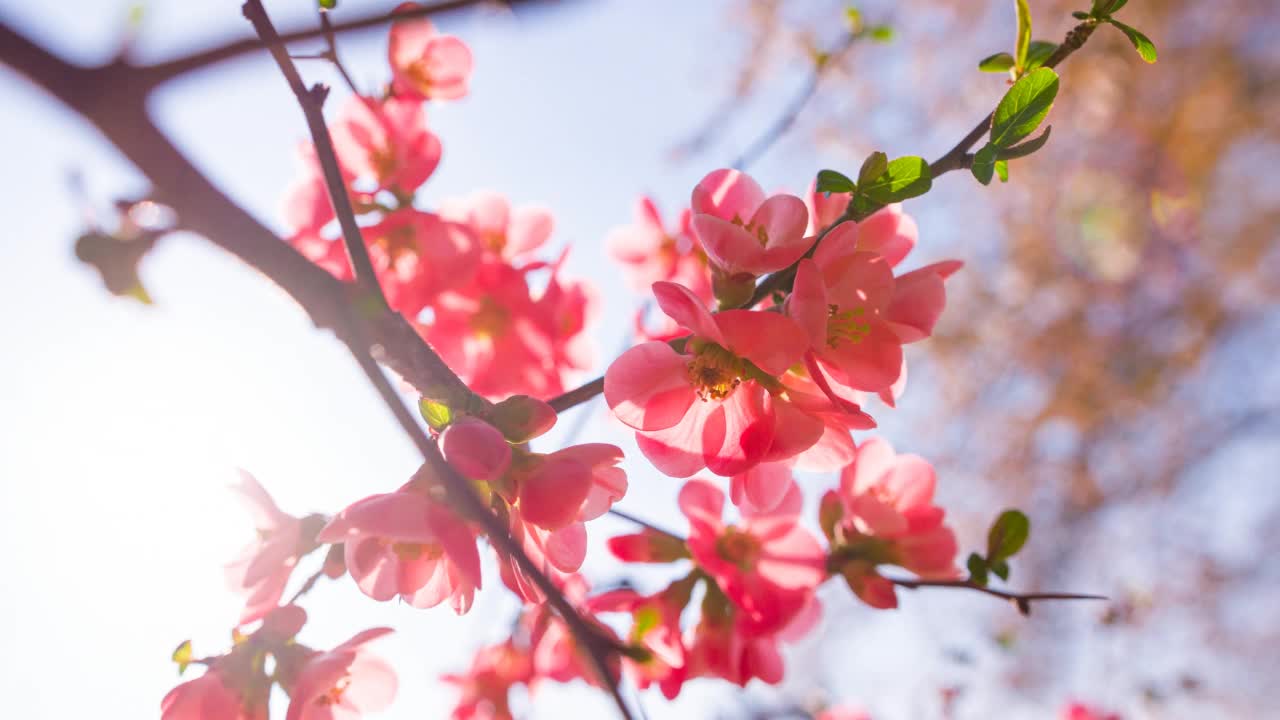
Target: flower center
398,241
714,372
846,325
334,695
490,320
409,552
383,160
738,547
420,73
762,235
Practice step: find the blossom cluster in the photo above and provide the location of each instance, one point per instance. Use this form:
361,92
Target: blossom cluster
780,317
467,272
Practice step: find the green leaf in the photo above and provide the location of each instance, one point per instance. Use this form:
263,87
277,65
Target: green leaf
438,415
1025,148
882,33
873,167
1080,15
1024,34
1002,170
1001,569
905,177
1007,535
328,4
830,181
1000,62
1103,8
977,569
1141,43
984,162
182,656
1023,107
1039,51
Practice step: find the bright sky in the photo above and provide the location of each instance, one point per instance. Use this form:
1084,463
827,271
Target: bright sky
123,424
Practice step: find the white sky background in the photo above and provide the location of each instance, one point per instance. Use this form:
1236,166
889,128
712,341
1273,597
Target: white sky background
120,425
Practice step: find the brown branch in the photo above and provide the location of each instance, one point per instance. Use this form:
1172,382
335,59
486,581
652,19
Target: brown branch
113,98
312,103
1022,601
307,586
161,72
791,113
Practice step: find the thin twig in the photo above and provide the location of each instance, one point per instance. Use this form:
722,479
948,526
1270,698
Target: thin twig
791,112
1022,601
331,50
643,523
312,104
312,579
152,75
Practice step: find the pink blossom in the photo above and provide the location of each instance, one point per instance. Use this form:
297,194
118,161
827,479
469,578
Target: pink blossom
511,233
714,404
486,686
476,449
1080,711
655,630
404,543
720,648
843,712
263,568
767,565
386,142
208,697
650,253
741,230
343,683
425,64
558,553
885,515
555,651
502,340
418,255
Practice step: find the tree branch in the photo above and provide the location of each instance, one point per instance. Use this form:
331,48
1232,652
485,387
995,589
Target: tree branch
791,113
1022,601
158,73
312,103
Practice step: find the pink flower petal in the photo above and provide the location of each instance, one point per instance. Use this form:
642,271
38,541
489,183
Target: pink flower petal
727,194
772,341
648,388
680,304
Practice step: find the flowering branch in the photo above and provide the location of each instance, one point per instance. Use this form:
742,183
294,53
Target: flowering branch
312,102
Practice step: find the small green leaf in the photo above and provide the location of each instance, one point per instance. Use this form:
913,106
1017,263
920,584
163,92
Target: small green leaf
903,178
1080,15
1002,170
882,33
1039,51
1141,43
1007,535
984,162
1103,8
1023,107
1025,148
182,656
438,415
1000,62
830,181
1024,34
873,167
977,569
1001,569
328,4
